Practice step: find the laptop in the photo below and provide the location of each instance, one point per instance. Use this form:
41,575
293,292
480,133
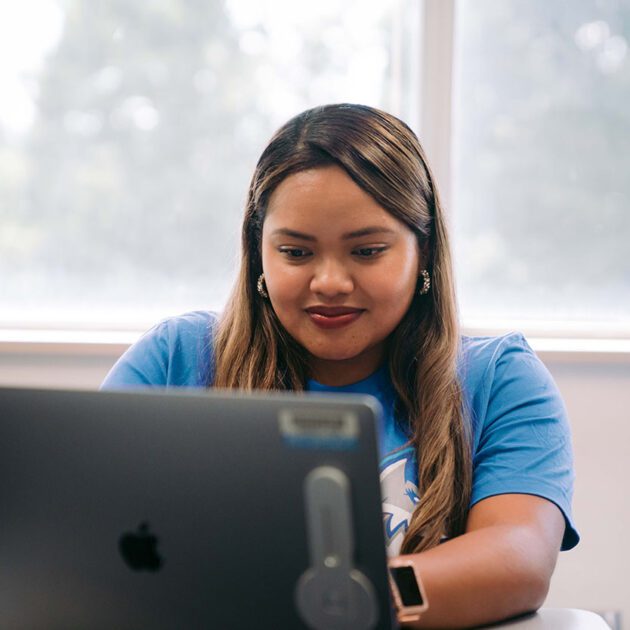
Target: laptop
187,509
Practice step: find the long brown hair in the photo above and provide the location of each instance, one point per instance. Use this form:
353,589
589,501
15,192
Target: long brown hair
253,351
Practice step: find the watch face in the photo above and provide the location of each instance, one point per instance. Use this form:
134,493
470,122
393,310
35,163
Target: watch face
407,585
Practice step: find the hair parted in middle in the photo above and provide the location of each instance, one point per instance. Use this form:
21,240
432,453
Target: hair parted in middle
253,351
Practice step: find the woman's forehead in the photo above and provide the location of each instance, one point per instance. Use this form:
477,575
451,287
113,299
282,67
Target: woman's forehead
330,182
323,198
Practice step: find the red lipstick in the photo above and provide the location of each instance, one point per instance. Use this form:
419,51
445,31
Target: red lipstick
329,317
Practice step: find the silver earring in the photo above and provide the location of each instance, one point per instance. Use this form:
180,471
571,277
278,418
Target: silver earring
426,282
260,285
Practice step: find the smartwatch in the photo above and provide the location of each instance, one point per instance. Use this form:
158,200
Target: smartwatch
407,589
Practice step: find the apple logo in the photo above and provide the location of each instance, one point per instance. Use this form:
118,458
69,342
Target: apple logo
139,549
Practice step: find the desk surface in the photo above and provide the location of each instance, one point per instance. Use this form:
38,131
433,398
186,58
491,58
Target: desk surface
557,619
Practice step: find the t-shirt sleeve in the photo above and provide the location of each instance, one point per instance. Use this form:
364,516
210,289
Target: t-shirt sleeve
524,442
144,364
178,352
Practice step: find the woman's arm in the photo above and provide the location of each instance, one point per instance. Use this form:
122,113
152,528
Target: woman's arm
500,567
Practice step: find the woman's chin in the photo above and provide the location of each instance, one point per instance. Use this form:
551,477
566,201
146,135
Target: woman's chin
342,354
334,355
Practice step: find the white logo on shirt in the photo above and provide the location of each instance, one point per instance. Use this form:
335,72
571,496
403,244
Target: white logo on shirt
400,497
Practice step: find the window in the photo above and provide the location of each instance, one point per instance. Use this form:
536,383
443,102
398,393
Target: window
129,132
541,167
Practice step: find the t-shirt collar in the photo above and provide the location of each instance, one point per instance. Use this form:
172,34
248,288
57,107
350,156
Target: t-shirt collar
367,385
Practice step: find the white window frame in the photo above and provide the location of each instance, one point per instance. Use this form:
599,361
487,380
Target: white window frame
435,128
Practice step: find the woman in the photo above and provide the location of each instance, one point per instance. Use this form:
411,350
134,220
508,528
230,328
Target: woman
346,285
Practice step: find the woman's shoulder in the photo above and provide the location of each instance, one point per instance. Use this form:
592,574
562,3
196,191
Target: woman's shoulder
480,356
176,352
488,348
187,326
499,371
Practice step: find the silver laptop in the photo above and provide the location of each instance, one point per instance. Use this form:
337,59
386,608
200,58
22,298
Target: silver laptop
188,509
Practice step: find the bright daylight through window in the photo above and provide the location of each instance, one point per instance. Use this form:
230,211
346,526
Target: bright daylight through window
129,131
541,163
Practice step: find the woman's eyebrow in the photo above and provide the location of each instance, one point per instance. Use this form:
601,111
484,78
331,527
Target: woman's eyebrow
366,231
293,234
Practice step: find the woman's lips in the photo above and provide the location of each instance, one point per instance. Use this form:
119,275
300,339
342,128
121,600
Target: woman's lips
329,317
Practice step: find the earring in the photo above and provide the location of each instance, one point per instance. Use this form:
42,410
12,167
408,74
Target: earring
260,285
426,282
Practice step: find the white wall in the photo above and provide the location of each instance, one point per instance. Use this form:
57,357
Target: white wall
53,367
595,574
597,394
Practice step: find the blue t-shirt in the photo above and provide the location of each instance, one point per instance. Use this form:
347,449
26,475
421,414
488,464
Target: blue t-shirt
521,438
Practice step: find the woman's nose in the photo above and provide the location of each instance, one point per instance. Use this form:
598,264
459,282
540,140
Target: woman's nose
331,278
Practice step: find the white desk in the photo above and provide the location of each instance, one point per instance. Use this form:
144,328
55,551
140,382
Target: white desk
556,619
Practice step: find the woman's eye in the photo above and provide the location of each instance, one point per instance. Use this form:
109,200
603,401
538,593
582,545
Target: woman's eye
368,252
294,252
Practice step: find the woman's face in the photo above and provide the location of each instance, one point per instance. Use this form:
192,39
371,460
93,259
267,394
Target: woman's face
340,271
